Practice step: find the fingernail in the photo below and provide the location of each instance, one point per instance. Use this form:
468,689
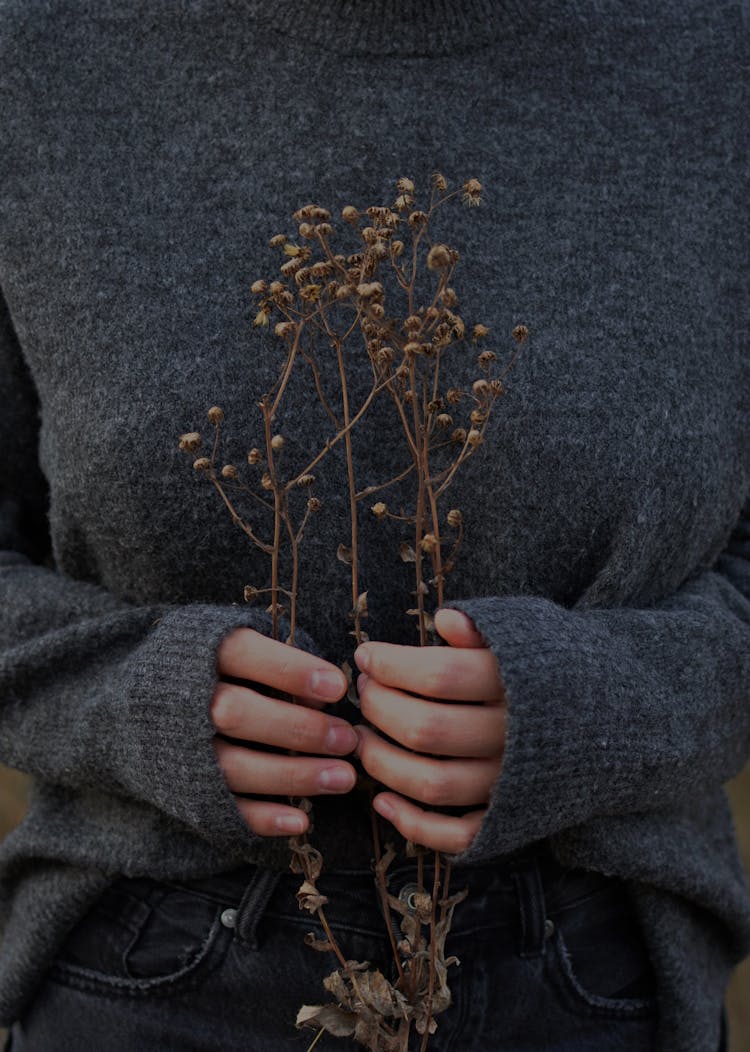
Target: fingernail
325,683
336,779
384,808
341,738
290,823
362,658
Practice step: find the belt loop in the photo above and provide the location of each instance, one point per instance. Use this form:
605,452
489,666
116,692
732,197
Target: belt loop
531,908
253,904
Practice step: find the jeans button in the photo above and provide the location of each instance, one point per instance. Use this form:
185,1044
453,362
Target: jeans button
229,918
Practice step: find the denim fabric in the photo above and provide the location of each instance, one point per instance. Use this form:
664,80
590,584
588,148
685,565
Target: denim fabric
551,960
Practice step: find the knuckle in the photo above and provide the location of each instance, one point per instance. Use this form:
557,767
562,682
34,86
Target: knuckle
227,710
435,788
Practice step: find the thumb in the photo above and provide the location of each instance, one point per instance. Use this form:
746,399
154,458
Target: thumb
457,629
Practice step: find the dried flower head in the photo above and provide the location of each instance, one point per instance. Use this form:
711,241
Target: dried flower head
215,415
258,287
229,471
486,358
455,518
480,388
380,510
202,464
314,504
397,249
472,192
444,420
284,329
479,331
439,182
249,593
277,443
190,442
474,437
278,239
254,456
305,480
454,395
405,186
520,333
429,542
266,481
497,387
417,219
439,257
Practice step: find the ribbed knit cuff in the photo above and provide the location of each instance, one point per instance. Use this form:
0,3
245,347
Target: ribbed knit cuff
167,734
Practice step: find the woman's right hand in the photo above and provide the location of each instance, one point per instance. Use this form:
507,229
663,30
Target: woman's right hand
257,719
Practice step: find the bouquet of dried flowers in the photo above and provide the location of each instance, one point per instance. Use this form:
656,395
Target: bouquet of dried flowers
442,426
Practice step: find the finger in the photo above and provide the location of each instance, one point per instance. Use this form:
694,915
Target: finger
240,712
246,654
268,774
457,629
432,830
436,672
269,819
442,783
430,726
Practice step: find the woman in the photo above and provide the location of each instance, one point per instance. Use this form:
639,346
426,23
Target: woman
599,614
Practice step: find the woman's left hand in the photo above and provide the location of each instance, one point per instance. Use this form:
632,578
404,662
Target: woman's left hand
449,754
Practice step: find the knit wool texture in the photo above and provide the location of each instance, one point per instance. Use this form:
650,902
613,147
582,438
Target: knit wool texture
150,150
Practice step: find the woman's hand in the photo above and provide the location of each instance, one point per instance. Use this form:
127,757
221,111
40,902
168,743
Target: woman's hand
257,719
469,740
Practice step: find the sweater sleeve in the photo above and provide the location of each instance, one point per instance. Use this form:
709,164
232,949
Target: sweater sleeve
617,710
97,693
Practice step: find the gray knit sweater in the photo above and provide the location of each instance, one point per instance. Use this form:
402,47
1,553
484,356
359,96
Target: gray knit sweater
150,149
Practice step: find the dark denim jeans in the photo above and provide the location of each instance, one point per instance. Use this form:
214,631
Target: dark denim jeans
551,960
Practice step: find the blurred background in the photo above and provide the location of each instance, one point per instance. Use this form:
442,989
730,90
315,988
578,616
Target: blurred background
13,791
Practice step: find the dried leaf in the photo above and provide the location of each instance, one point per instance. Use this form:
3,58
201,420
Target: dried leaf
309,898
344,555
406,552
315,943
361,607
335,1020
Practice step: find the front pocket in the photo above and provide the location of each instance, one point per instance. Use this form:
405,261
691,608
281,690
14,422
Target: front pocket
600,959
141,935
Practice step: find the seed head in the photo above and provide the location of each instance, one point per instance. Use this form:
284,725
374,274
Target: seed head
323,229
413,323
520,333
444,420
439,182
405,186
439,257
429,542
314,504
276,288
294,251
454,395
477,417
266,481
277,239
215,415
289,268
485,359
417,219
311,212
480,388
306,230
261,318
474,438
229,471
472,193
397,248
277,443
377,310
369,235
497,387
380,510
455,518
305,480
350,214
202,464
254,456
344,291
190,442
258,287
249,593
459,435
284,329
310,293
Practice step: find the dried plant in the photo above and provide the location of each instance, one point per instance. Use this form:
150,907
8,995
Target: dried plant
407,352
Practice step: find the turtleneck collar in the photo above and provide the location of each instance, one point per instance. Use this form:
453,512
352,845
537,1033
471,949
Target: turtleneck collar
406,27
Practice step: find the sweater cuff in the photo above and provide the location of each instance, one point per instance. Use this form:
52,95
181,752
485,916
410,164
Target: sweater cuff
165,732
